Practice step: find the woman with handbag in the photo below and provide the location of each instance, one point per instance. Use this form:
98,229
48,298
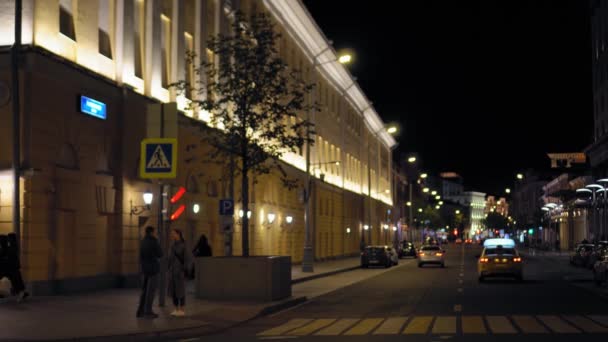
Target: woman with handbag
177,273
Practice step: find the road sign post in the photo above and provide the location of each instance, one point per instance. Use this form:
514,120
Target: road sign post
226,214
158,160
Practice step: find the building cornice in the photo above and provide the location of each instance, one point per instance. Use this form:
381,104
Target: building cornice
294,16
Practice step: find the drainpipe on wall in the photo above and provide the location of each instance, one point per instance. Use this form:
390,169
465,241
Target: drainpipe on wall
16,121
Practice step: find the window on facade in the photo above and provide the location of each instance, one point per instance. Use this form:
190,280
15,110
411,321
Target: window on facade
105,22
66,19
138,38
165,42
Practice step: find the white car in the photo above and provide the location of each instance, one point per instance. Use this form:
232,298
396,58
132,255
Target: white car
431,254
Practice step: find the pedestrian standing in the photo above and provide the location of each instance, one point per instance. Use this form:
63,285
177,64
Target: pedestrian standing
177,261
202,248
14,266
149,254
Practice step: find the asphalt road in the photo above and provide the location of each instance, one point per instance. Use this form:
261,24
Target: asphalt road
435,304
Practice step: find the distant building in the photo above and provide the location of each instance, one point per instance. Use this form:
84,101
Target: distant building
476,201
451,185
497,206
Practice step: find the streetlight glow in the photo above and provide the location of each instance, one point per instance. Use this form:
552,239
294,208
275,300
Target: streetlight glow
409,204
507,190
391,130
345,59
437,197
434,193
425,190
520,176
411,160
148,196
423,176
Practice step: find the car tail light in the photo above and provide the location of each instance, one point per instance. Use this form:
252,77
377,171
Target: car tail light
516,259
438,254
483,260
421,254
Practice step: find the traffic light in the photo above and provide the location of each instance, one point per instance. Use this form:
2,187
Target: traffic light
530,231
174,199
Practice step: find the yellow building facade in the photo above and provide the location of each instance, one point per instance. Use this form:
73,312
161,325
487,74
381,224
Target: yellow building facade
79,179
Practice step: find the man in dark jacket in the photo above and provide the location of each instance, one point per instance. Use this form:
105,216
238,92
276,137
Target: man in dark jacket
14,266
149,254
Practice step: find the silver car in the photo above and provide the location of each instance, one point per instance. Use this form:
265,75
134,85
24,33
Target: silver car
431,254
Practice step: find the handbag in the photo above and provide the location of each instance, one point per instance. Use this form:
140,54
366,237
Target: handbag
189,272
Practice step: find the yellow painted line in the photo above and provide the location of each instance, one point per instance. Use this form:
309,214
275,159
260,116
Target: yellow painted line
444,325
529,325
473,325
586,324
338,327
600,319
500,325
281,329
312,327
418,325
391,326
558,325
364,327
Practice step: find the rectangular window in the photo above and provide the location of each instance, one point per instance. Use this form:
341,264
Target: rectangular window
138,38
66,19
105,44
165,42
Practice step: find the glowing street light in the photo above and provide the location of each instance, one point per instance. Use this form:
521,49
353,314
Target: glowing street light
419,210
520,176
434,193
409,204
411,160
345,59
507,190
424,175
391,130
425,190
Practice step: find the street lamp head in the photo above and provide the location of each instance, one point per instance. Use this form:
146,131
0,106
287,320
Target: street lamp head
411,160
391,130
520,176
425,190
507,190
345,59
148,197
434,193
409,204
419,210
437,197
424,175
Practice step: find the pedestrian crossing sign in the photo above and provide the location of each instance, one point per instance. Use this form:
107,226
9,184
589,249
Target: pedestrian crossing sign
158,158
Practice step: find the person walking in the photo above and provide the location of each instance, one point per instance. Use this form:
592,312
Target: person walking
177,261
14,267
149,253
202,248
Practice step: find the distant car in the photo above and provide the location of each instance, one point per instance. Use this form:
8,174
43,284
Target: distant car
431,254
376,256
600,268
408,249
458,241
468,241
500,258
581,255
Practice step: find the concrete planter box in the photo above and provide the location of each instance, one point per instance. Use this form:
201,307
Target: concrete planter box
257,278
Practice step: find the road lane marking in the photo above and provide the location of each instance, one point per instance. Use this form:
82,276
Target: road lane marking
586,324
558,325
418,325
364,326
473,325
600,319
391,326
500,325
457,308
281,329
338,327
529,325
309,328
444,325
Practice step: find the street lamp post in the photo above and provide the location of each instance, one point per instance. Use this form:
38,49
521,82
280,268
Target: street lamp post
595,188
308,257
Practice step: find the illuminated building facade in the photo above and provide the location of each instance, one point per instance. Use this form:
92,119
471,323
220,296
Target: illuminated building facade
80,181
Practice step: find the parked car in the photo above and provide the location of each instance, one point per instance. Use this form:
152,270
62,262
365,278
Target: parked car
408,249
597,253
431,254
600,267
376,256
468,241
458,241
394,255
581,255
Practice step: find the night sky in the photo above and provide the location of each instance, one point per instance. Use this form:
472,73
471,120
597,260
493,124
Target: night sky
483,88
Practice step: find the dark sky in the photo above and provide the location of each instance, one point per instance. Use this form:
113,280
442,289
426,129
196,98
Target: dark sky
484,88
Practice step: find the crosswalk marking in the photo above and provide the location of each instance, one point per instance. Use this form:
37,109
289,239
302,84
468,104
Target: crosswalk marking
586,324
529,325
500,325
418,325
364,326
281,329
558,325
391,326
444,325
440,325
338,327
312,327
473,325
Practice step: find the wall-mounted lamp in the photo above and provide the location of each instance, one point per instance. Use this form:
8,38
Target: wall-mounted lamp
196,208
241,213
270,219
140,209
366,227
287,222
348,230
394,228
385,226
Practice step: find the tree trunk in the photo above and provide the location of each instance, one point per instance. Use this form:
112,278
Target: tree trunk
245,197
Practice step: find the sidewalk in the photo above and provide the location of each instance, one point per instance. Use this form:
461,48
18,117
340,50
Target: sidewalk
111,313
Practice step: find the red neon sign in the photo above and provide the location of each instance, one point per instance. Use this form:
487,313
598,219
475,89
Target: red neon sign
178,212
178,194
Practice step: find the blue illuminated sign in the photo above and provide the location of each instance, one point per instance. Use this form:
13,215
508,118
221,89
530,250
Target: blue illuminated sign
93,107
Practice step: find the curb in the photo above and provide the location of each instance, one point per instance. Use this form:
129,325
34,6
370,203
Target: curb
593,290
323,275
